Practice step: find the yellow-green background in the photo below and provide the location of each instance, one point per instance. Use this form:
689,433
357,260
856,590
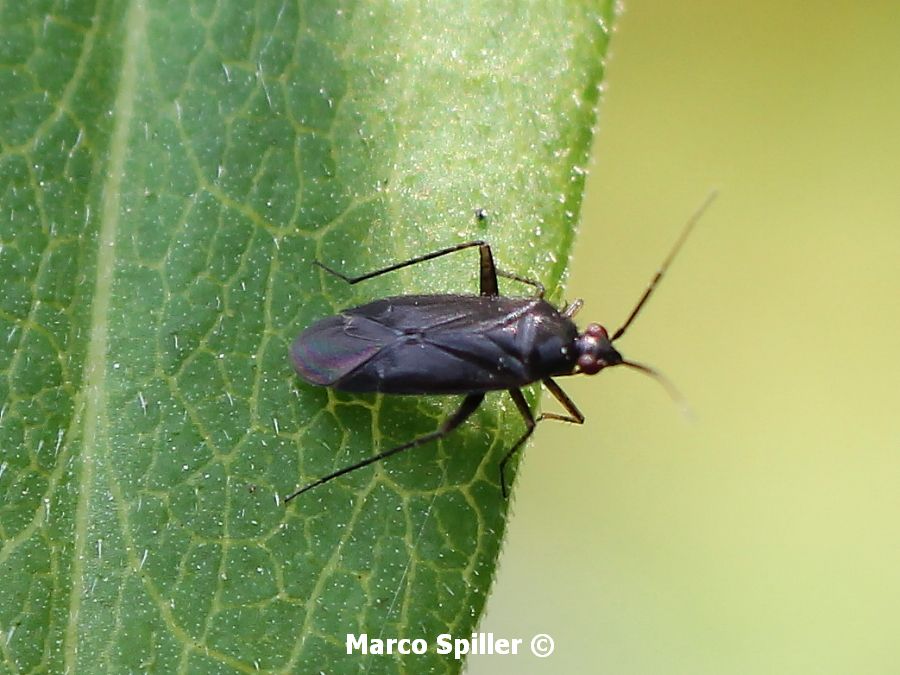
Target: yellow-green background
762,536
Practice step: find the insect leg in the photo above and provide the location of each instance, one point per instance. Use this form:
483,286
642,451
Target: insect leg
519,399
575,417
524,280
467,407
574,308
488,273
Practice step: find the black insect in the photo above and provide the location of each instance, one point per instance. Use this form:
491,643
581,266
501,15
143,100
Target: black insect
461,344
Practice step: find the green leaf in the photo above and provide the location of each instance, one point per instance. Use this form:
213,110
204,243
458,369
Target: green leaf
168,172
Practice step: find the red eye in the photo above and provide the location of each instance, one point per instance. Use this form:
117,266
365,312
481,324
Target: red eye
595,330
588,364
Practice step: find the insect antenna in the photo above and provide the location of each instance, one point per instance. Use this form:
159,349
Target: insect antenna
692,221
676,396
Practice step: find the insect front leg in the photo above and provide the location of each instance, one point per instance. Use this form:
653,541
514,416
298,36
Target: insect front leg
574,416
519,399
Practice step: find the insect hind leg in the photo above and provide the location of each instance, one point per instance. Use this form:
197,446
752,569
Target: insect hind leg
467,407
487,270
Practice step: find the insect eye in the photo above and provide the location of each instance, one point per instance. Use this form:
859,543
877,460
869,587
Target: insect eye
588,364
595,330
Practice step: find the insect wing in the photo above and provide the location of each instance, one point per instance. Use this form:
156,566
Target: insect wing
335,346
443,344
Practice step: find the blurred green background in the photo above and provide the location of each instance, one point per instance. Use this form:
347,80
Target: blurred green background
763,535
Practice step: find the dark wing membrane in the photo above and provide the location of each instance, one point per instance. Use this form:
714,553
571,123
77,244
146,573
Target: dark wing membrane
443,344
408,313
333,347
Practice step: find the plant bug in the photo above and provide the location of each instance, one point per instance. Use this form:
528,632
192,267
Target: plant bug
463,344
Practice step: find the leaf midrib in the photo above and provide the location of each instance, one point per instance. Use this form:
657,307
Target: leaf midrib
95,366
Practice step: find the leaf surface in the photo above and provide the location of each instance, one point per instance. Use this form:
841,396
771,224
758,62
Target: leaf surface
168,173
